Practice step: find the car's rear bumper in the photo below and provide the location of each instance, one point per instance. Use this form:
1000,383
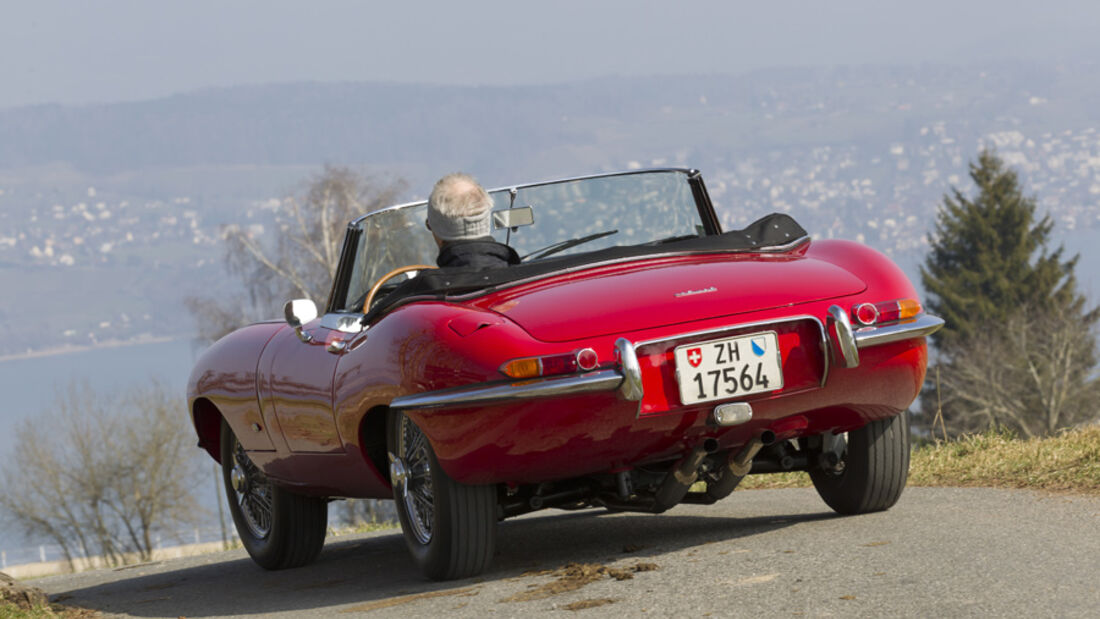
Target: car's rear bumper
627,377
919,326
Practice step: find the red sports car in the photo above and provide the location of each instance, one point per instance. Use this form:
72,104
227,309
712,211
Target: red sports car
638,357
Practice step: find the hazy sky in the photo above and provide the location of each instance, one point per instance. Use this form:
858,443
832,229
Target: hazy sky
111,50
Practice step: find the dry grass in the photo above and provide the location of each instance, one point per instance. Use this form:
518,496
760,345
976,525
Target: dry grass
1068,462
10,610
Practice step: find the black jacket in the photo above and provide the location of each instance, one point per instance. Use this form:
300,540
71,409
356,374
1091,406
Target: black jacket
480,253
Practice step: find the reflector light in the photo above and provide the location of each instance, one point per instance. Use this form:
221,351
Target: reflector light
559,364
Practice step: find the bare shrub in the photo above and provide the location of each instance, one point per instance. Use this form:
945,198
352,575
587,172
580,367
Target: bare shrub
103,475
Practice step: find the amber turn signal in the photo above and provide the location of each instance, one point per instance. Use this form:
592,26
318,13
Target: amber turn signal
522,368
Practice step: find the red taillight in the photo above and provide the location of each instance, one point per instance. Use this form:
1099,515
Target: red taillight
866,313
587,359
888,311
549,365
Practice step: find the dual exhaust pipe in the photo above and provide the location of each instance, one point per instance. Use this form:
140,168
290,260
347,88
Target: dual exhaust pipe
684,473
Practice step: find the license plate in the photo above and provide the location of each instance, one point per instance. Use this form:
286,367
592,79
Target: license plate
729,368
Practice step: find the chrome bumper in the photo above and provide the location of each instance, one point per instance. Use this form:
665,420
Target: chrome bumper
918,327
478,395
628,379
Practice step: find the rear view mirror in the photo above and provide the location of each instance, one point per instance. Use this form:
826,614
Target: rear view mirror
513,217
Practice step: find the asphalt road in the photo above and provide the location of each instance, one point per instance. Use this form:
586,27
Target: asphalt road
939,552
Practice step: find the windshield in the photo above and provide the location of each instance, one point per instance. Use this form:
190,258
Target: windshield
569,217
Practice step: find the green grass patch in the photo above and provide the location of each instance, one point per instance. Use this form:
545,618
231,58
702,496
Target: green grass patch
11,610
1067,462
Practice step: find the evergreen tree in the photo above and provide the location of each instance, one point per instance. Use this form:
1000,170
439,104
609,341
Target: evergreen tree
989,257
1019,346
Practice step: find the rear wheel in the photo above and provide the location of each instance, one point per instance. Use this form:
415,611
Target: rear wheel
278,528
450,528
872,471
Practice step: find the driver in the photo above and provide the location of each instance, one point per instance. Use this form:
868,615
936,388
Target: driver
459,218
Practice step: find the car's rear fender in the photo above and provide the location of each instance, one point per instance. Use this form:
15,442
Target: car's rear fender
885,280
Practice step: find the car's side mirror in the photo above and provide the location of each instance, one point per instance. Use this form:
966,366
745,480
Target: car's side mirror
298,312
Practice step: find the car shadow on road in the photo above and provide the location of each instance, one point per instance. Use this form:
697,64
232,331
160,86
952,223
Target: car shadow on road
368,571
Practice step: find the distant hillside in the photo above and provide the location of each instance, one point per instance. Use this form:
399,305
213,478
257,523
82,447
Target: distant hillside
497,129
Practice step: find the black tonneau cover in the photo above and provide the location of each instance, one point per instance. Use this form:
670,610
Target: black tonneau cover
770,231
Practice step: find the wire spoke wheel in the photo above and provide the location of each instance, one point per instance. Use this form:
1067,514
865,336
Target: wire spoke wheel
449,527
253,493
418,498
279,528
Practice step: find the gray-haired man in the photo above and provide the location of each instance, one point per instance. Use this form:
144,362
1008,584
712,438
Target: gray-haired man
459,212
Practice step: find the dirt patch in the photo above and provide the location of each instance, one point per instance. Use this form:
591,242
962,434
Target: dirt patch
405,599
583,604
576,575
23,596
20,600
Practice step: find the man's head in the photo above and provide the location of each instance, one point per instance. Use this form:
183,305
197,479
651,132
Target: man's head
459,208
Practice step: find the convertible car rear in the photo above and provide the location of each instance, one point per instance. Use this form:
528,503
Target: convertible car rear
639,357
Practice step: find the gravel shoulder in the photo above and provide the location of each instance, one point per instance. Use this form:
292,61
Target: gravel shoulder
939,552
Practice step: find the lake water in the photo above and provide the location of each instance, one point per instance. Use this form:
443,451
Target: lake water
31,385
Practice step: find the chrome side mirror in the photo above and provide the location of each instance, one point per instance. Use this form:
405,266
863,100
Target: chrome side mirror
298,312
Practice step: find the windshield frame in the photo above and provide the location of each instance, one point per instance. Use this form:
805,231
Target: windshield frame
341,281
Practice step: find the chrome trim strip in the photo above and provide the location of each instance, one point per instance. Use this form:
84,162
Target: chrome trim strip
344,322
922,325
631,388
491,393
845,341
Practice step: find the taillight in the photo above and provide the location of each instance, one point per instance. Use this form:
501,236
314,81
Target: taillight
868,314
549,365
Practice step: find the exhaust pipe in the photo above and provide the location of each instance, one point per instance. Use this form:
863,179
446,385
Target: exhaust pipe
741,464
737,467
683,474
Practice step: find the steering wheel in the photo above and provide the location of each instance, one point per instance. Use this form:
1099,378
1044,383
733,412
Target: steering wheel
388,276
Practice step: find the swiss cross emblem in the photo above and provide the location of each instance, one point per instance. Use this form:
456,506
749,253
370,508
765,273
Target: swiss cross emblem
695,357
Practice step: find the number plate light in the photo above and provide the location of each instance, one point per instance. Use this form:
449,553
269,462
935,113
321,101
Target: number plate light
732,413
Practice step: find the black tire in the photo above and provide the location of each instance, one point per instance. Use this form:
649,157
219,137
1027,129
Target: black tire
876,467
278,528
450,528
